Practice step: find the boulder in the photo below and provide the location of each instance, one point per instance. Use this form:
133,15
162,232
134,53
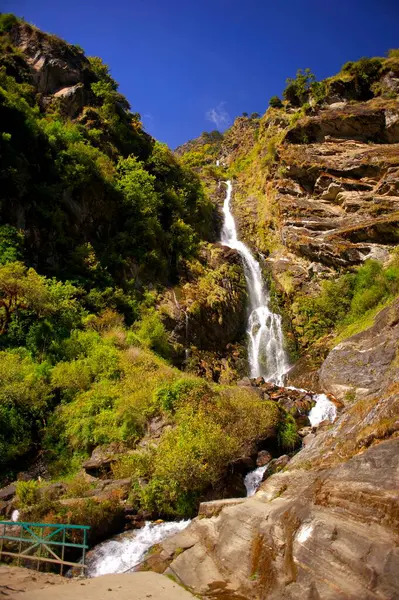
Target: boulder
100,462
8,492
276,465
263,458
73,99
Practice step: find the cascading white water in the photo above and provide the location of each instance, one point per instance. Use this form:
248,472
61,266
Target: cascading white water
253,480
127,550
266,354
323,410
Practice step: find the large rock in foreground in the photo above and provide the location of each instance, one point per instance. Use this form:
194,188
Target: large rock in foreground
324,534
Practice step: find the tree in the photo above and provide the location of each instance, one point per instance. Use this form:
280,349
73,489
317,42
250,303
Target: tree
20,288
298,89
255,115
275,102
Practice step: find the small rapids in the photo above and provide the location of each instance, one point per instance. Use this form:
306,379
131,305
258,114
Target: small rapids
253,480
323,410
125,551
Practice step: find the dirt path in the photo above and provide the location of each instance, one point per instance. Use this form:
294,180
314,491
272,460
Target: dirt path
23,584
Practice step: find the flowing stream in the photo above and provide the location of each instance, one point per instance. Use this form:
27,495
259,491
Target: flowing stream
266,355
125,551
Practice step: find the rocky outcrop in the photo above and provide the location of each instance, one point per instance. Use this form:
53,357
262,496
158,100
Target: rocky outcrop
306,534
362,365
57,68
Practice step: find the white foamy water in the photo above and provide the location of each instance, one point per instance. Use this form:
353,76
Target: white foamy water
126,551
15,516
253,480
266,354
323,410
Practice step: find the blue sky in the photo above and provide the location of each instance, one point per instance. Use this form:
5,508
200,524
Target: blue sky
183,62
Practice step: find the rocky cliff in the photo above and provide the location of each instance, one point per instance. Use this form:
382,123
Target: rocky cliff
316,192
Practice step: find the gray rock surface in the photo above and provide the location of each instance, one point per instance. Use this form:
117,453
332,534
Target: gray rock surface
363,364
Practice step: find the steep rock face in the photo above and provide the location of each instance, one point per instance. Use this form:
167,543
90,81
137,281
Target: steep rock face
346,206
365,363
320,534
57,68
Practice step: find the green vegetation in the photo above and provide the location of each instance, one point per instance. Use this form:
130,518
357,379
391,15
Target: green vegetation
348,304
275,102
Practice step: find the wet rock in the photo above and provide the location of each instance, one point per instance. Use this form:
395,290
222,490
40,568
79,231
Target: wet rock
276,465
263,458
304,431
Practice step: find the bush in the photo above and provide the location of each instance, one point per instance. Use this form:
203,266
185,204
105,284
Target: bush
28,493
393,53
298,90
7,21
275,102
150,332
348,299
25,396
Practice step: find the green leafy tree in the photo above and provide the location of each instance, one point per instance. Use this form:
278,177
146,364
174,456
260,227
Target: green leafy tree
275,102
298,89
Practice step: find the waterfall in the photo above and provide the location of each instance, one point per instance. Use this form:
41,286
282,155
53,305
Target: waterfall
266,354
253,480
126,550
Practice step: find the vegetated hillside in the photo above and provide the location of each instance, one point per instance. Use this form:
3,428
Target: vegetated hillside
316,192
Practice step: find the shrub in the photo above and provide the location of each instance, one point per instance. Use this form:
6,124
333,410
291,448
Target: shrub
348,300
24,399
150,332
7,21
288,437
275,102
298,89
28,493
393,53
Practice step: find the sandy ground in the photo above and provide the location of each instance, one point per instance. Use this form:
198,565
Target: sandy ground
24,584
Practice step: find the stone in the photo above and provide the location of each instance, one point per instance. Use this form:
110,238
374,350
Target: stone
304,431
263,458
8,492
213,508
307,534
361,365
99,464
276,465
73,99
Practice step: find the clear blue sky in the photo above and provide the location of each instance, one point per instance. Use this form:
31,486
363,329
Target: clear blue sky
179,60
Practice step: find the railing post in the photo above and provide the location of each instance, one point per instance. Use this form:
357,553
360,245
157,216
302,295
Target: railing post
40,549
2,540
20,545
84,551
62,550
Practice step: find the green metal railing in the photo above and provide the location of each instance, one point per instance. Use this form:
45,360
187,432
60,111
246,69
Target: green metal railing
36,537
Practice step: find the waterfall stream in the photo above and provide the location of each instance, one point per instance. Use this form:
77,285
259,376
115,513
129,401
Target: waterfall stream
125,551
267,358
266,355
